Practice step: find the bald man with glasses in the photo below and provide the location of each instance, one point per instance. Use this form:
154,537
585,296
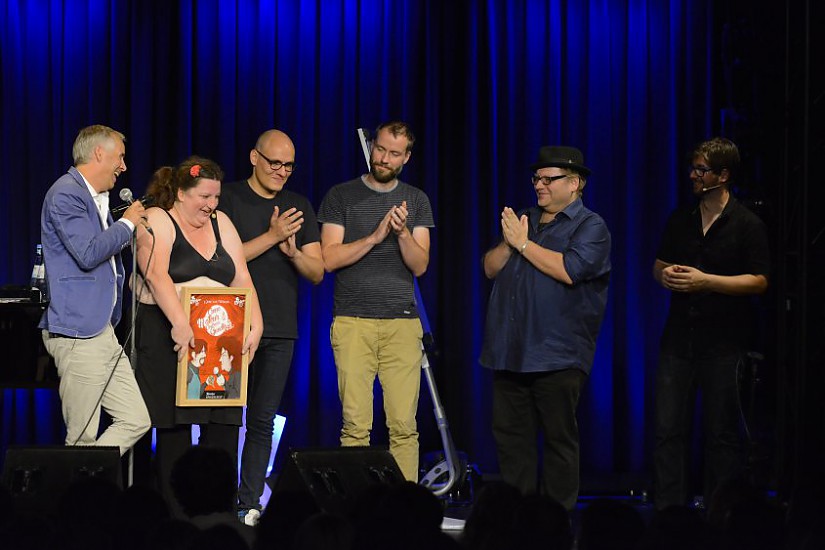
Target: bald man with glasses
281,243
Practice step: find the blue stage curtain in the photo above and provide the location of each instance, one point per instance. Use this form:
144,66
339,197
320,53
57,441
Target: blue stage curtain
484,84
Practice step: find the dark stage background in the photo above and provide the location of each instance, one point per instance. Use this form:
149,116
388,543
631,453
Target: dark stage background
484,84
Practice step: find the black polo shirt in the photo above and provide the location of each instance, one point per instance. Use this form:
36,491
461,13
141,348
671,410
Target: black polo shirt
701,323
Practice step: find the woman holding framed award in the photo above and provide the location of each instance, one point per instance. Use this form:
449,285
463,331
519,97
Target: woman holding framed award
197,289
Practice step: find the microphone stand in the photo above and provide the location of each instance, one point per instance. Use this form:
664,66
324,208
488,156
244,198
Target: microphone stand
133,313
364,138
451,463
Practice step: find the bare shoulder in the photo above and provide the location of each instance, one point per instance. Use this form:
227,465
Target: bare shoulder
156,213
224,222
222,217
229,234
160,222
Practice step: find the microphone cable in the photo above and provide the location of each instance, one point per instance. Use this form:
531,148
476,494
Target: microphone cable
129,337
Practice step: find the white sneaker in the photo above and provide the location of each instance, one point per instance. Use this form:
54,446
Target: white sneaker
251,517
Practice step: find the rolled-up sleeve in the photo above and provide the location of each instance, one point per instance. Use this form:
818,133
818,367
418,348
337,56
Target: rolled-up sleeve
588,253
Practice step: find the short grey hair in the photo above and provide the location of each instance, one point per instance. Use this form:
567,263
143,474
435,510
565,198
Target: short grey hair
90,137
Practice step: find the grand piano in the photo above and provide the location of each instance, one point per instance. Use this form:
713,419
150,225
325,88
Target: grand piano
25,362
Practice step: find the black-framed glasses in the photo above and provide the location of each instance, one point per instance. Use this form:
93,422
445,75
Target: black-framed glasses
700,170
276,165
547,180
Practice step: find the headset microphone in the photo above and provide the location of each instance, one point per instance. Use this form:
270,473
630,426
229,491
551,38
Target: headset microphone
704,189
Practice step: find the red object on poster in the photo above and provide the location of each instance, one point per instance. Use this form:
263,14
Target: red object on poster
217,321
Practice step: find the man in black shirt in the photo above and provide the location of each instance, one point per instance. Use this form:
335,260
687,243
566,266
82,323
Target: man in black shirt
713,258
281,242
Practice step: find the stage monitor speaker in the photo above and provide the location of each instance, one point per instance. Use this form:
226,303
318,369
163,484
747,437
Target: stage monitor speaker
36,477
334,477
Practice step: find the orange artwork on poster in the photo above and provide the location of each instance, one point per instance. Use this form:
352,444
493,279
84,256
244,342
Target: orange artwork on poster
214,373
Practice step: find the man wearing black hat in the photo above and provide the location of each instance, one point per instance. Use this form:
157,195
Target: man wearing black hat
713,258
551,273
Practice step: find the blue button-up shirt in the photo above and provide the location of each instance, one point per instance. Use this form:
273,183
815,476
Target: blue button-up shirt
538,324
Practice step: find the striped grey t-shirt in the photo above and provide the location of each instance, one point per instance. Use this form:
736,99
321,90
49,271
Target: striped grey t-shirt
379,285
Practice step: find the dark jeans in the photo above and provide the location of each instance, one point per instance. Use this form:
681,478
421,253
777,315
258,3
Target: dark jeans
523,404
267,379
677,381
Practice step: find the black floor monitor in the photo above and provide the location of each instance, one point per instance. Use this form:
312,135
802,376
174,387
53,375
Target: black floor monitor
36,477
334,477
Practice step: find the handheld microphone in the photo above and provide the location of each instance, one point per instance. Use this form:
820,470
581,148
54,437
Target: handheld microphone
127,198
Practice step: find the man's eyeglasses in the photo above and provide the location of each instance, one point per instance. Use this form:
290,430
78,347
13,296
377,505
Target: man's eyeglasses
547,180
276,165
700,170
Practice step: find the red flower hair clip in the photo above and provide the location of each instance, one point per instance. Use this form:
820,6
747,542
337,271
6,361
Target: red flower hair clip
195,171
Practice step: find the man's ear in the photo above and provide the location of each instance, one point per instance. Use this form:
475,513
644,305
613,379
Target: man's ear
724,175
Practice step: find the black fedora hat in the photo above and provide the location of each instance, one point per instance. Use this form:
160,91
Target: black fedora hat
561,157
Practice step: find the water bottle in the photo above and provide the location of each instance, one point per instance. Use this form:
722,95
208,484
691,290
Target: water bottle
38,278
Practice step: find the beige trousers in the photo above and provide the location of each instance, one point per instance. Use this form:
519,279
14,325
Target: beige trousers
390,349
84,366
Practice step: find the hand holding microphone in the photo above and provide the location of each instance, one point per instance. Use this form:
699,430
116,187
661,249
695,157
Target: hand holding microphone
127,198
135,212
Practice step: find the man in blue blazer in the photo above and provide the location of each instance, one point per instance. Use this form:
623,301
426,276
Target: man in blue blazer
81,249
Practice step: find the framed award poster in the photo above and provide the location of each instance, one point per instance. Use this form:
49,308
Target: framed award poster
214,373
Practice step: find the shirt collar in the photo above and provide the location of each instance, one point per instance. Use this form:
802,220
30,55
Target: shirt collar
92,189
378,189
101,199
730,205
570,211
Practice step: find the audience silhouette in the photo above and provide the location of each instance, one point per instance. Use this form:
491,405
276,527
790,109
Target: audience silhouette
95,514
204,481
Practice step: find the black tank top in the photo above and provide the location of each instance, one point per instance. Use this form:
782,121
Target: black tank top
185,263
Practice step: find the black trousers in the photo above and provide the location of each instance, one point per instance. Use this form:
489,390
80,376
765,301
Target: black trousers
529,405
677,381
267,379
